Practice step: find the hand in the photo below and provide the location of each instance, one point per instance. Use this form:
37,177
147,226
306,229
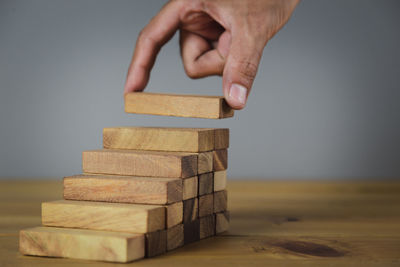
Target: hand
217,37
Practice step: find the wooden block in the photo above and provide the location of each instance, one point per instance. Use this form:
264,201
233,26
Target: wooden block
174,214
156,243
206,206
130,218
190,187
81,244
220,180
221,222
191,231
123,189
221,138
140,163
195,106
175,237
190,210
220,158
162,139
220,201
206,183
207,226
205,162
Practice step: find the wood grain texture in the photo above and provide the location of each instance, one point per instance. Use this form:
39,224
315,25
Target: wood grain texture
174,214
175,237
140,163
206,205
273,223
81,244
190,187
156,243
195,106
221,138
103,216
205,162
207,226
123,189
220,180
190,210
220,158
206,183
220,201
191,231
162,138
222,222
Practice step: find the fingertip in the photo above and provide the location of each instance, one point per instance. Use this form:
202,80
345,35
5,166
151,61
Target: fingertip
236,96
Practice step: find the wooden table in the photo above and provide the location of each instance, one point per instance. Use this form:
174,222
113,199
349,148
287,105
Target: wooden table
273,223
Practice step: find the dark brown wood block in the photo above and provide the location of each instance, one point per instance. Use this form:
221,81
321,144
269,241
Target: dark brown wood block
175,237
206,205
156,243
191,231
221,138
207,226
220,201
222,222
190,210
206,183
220,159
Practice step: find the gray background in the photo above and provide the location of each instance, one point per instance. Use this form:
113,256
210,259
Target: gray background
325,103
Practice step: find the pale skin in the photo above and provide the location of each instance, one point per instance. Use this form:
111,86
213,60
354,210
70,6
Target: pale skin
217,37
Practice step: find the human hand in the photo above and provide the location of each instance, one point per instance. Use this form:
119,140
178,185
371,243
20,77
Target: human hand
217,37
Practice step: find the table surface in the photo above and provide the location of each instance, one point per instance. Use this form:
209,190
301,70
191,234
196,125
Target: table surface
276,223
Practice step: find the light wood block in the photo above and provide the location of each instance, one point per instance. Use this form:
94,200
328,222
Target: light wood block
205,162
195,106
220,180
206,183
190,187
156,243
206,205
81,244
220,201
190,210
123,189
140,163
130,218
174,214
221,138
163,139
191,231
175,237
207,226
222,222
220,158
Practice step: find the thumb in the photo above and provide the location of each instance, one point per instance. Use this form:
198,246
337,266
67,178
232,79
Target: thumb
240,70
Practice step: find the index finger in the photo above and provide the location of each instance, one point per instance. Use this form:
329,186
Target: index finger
159,31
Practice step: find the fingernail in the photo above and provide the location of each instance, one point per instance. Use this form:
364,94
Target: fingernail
238,92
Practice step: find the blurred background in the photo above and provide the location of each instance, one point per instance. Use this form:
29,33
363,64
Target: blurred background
325,104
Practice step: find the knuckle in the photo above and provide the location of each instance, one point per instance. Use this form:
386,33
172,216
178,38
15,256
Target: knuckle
191,71
247,69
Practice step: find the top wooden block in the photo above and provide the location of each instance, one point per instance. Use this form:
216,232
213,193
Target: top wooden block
166,138
195,106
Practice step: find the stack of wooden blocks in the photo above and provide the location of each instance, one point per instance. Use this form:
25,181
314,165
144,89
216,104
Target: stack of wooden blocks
148,191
